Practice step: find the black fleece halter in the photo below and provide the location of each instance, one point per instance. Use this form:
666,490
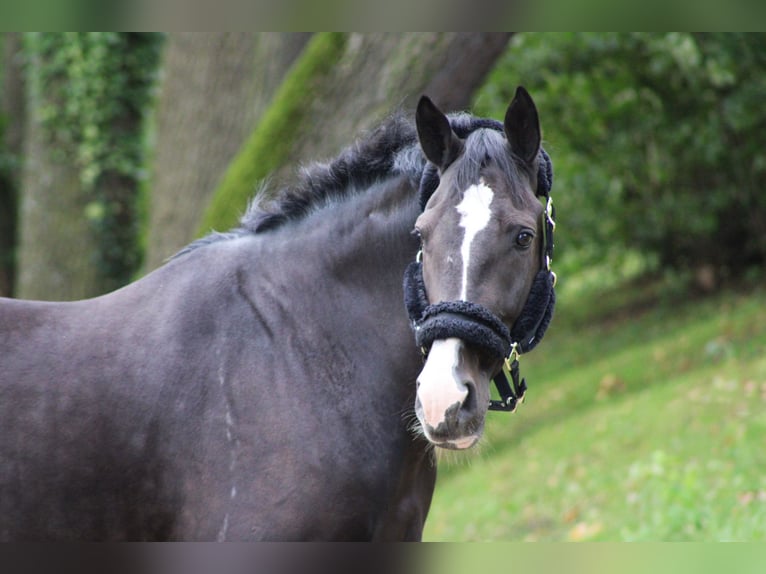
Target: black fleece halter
475,324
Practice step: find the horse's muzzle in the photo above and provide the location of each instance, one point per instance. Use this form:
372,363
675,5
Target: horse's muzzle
452,395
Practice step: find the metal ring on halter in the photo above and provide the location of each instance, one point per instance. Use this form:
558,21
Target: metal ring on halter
512,356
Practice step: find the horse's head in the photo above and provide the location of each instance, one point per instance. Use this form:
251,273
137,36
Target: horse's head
482,245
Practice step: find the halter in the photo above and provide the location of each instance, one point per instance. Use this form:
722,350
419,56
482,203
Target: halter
474,323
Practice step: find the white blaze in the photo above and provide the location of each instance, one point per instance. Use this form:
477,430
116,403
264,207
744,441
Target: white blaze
439,386
475,214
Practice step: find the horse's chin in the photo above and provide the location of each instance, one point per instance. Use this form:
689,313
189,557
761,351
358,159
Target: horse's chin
462,443
453,443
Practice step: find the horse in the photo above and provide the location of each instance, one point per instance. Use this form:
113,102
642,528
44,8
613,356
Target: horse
290,379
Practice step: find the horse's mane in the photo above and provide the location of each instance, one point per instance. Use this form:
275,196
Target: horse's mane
388,150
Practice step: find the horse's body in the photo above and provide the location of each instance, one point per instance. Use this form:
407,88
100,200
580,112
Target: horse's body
258,386
164,418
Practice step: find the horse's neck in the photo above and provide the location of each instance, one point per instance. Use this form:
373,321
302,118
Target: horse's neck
350,258
368,235
381,241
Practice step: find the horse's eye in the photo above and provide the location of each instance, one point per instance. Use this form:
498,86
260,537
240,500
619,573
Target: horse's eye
524,239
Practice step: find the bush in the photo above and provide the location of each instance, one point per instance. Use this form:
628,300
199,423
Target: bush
655,139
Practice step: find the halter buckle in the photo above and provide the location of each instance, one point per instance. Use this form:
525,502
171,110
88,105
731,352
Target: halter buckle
510,396
549,213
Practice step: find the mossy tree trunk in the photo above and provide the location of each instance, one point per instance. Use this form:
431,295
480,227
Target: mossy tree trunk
345,83
215,87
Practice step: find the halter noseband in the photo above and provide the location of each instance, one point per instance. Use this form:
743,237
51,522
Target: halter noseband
474,323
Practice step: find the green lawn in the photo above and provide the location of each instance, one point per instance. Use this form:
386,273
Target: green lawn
644,420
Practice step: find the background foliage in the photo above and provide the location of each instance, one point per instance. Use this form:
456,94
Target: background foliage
90,81
657,139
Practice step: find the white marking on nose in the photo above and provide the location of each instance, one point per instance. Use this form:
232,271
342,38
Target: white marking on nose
475,214
439,385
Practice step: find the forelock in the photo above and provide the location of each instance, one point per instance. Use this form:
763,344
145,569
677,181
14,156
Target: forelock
489,146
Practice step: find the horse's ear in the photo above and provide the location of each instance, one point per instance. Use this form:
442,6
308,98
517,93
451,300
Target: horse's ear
522,126
440,144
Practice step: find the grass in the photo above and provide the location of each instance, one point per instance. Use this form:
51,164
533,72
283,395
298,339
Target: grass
645,420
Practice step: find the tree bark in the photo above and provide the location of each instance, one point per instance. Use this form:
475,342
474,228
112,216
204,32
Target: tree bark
318,111
380,72
58,249
215,87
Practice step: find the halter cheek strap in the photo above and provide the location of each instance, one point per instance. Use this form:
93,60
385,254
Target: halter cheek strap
476,324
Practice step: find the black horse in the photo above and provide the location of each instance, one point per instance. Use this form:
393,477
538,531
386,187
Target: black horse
264,384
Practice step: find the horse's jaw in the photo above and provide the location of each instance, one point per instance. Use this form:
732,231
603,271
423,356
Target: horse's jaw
452,396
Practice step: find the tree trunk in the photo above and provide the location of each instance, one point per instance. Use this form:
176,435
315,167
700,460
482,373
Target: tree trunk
12,121
58,249
383,71
87,94
321,106
215,87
